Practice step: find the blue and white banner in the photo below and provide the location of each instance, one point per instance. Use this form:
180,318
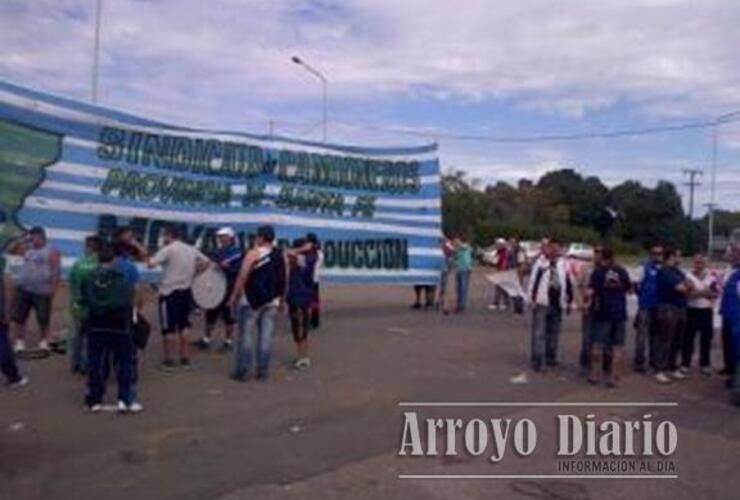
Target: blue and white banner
77,169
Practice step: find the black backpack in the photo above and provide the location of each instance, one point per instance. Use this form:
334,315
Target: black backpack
109,296
266,279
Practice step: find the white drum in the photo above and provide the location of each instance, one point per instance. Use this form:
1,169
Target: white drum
209,288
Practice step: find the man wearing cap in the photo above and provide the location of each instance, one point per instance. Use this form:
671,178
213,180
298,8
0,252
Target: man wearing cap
37,283
228,257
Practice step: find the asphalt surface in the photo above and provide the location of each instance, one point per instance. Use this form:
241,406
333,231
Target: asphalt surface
333,432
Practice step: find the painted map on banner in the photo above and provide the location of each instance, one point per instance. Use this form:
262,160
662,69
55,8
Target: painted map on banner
77,169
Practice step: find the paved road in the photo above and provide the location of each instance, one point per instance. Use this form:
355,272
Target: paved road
333,432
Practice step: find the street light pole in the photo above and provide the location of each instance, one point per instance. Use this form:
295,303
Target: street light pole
96,52
712,190
318,74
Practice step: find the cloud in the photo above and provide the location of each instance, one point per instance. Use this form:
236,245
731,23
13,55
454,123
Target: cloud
226,64
564,57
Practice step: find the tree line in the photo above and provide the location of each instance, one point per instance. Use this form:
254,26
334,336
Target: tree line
565,204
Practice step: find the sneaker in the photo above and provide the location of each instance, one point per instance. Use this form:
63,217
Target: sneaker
227,346
240,378
705,370
44,345
492,307
21,382
302,363
135,407
20,346
685,370
169,365
416,306
522,378
121,407
96,408
204,343
185,363
662,378
678,374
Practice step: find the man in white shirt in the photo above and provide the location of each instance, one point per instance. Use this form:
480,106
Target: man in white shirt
550,293
705,290
180,263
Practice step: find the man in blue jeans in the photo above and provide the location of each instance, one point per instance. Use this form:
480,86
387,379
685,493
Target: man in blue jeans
550,292
261,281
463,264
646,322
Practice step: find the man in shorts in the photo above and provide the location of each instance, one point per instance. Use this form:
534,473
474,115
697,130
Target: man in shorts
228,257
180,263
37,283
607,299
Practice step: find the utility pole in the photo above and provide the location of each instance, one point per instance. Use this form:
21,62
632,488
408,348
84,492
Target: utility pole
96,52
692,183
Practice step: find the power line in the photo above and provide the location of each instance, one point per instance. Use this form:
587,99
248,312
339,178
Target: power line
633,132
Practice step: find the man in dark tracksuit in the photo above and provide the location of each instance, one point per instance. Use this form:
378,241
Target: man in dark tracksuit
730,311
647,315
7,357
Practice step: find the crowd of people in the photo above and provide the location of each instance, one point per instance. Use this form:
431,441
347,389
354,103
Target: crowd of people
108,327
457,265
675,307
675,311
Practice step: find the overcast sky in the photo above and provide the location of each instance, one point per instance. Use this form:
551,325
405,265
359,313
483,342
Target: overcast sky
463,67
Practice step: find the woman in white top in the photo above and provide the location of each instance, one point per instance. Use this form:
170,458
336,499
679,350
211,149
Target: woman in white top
705,289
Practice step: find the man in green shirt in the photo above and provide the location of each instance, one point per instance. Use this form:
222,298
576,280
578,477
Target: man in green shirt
77,276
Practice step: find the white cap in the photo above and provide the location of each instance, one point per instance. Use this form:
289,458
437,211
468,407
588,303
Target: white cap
226,231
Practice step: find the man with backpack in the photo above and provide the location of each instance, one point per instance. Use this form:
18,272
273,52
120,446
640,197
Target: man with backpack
262,280
109,299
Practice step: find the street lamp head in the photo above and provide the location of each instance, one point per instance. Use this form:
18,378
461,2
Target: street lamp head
296,60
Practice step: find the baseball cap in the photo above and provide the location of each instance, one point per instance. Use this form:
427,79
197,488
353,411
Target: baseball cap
226,231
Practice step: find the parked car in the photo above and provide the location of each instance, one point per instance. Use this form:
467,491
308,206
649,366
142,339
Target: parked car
531,249
581,251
